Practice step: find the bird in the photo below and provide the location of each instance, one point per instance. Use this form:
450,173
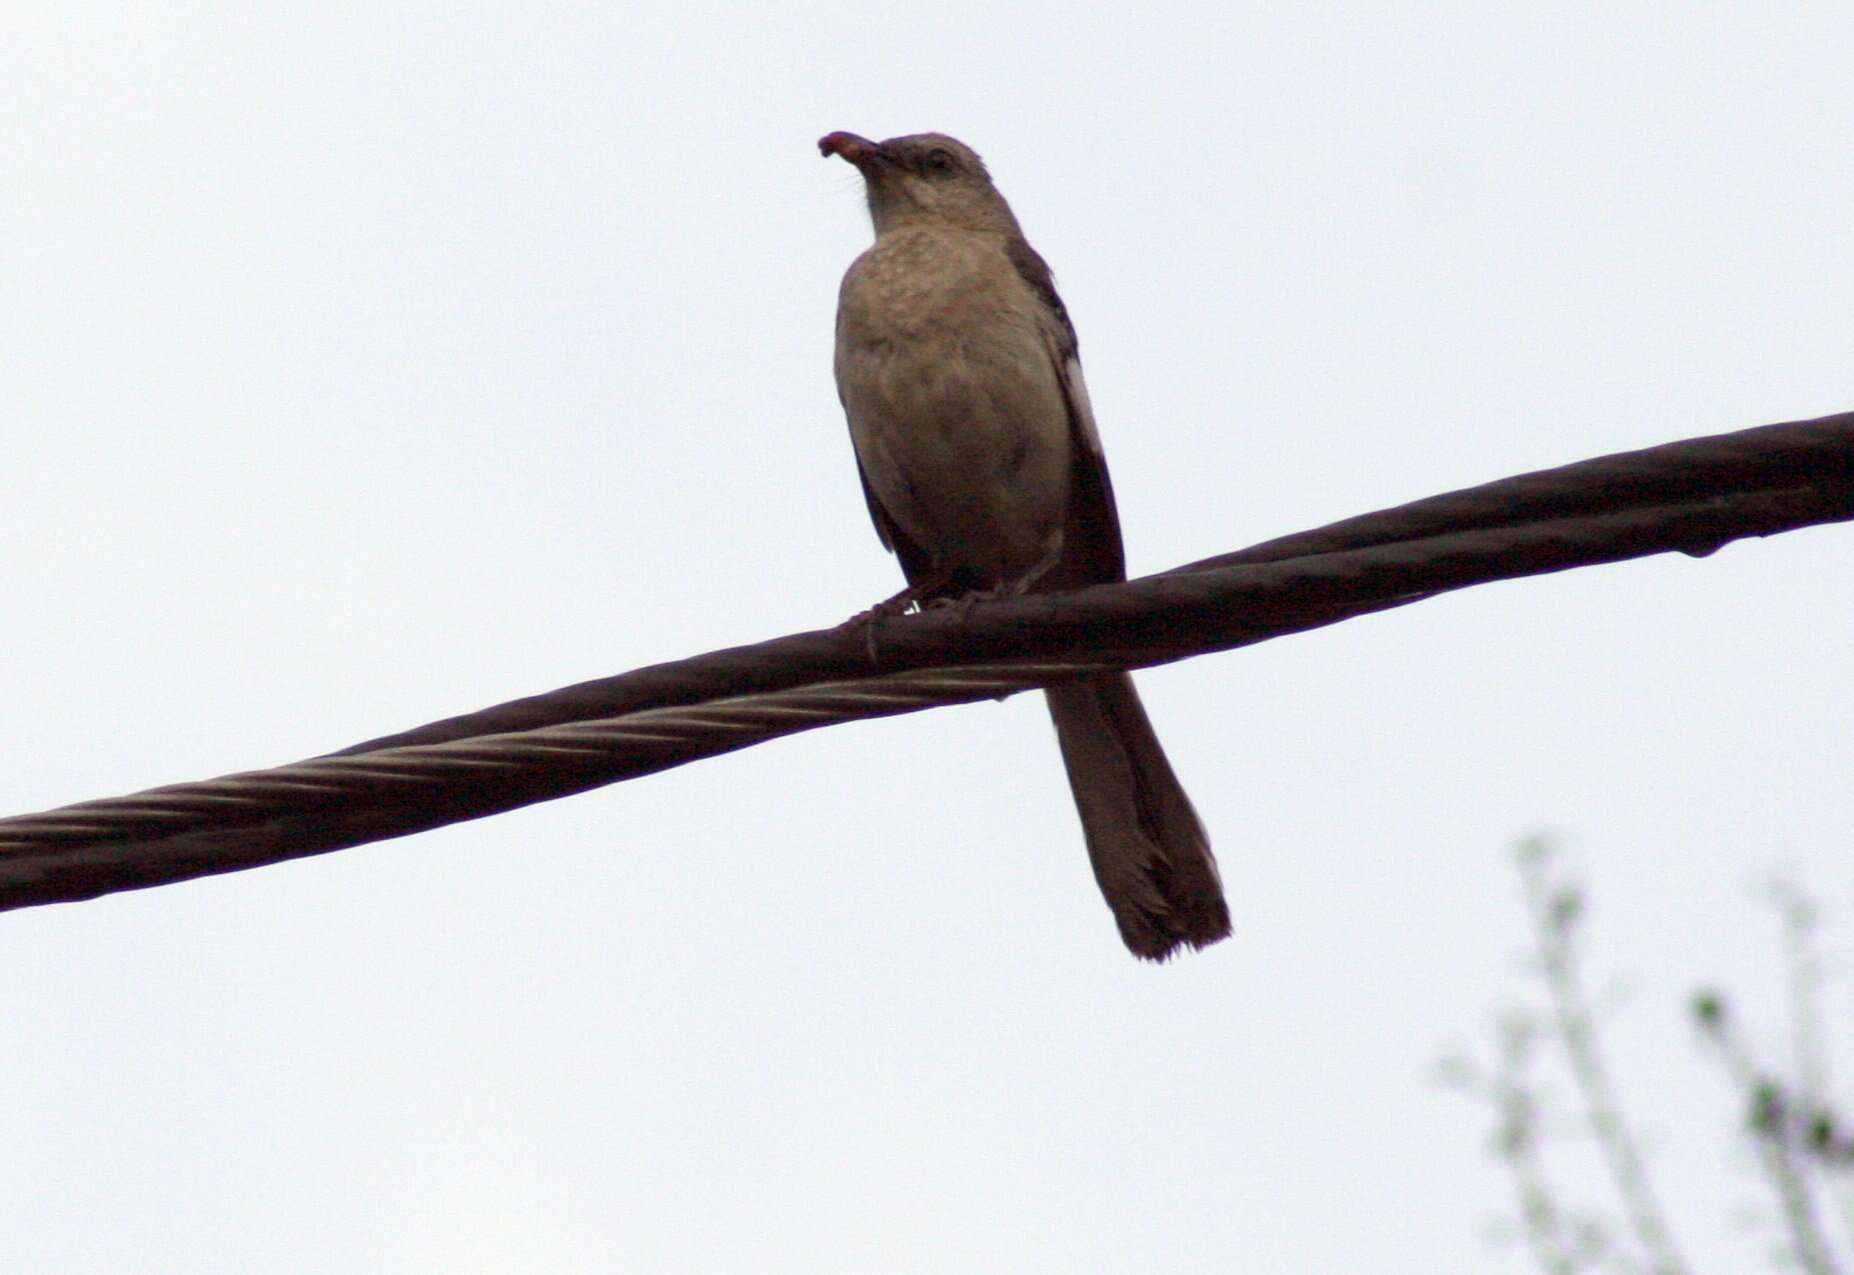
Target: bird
960,377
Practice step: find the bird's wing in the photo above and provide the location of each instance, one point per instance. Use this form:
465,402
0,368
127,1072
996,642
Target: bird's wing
916,563
1092,549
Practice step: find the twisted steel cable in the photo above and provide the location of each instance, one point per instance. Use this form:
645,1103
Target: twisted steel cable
1690,497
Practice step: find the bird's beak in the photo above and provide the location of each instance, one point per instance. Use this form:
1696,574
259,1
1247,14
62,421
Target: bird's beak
858,150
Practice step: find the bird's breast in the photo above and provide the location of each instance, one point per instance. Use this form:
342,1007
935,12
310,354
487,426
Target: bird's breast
954,401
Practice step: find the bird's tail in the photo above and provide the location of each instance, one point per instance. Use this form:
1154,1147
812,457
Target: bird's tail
1149,851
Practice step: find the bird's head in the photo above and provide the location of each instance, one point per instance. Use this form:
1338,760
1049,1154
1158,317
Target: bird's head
924,178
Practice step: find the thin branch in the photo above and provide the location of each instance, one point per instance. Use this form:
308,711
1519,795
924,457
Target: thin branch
1541,1221
1824,1137
1807,1242
1774,1128
1555,914
1803,964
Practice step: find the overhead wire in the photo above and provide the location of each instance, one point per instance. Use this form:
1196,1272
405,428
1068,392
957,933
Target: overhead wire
1690,497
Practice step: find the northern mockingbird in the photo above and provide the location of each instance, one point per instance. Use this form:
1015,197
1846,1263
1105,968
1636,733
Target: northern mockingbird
957,368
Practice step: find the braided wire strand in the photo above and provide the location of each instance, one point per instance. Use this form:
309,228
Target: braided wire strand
61,847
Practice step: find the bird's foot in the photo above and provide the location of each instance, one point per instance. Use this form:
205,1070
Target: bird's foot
912,596
966,601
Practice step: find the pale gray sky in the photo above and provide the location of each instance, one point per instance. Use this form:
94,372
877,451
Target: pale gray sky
362,366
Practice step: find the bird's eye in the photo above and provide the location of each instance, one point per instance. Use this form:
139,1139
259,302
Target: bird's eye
939,161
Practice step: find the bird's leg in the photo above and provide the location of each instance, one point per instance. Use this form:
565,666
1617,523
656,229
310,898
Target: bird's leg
913,595
1015,587
964,603
900,602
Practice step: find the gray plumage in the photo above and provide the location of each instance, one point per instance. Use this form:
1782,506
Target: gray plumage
959,373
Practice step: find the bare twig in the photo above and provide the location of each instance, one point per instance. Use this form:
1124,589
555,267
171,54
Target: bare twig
1555,911
1826,1140
1517,1142
1776,1130
1803,964
1799,1139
